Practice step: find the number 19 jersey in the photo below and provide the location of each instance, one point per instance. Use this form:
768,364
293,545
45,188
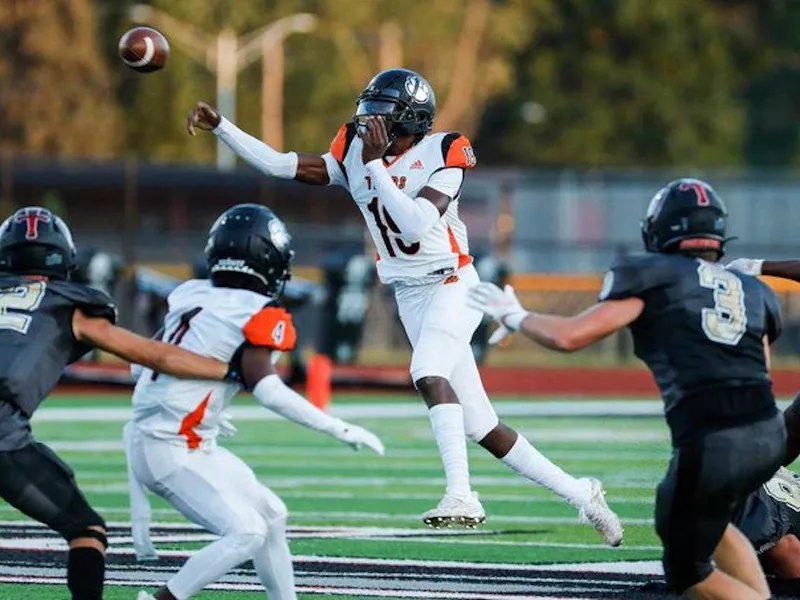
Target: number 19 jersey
213,322
438,160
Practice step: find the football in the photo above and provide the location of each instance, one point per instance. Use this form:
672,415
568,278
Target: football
144,49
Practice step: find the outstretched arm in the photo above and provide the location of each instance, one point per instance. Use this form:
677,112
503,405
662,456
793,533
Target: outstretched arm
161,357
563,334
305,168
785,269
272,393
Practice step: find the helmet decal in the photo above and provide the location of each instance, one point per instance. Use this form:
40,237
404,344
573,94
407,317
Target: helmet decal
417,89
699,189
280,237
32,217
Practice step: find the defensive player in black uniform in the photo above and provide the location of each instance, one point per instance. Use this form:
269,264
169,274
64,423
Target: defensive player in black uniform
770,519
703,331
46,323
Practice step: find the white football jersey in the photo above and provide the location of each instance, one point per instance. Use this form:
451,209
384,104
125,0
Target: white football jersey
432,161
213,322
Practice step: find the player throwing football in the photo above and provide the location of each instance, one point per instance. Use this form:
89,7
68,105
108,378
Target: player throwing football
407,183
172,441
704,333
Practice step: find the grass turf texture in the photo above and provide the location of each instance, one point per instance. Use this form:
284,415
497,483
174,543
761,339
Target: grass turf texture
325,484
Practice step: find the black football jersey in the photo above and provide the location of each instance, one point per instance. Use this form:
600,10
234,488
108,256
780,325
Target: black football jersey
36,337
702,325
771,512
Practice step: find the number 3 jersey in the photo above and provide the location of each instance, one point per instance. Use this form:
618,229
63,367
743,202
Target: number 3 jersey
702,326
438,161
214,322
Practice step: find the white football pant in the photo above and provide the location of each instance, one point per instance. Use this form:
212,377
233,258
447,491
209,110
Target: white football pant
439,325
216,490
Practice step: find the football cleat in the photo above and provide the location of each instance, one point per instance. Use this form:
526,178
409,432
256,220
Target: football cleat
456,510
595,512
145,596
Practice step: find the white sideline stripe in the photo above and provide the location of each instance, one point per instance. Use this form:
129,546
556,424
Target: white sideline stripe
382,410
365,516
121,487
192,533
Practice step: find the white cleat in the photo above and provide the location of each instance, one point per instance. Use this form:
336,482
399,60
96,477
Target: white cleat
595,512
145,596
456,510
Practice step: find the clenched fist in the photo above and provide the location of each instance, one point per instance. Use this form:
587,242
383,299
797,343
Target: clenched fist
203,116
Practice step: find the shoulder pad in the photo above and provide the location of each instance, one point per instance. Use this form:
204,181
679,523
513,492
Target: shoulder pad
631,276
341,143
457,152
91,301
271,328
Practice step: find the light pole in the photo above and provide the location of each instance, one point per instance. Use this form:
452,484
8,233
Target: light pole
225,55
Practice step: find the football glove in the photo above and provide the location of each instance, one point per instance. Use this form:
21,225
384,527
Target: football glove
502,305
746,266
355,437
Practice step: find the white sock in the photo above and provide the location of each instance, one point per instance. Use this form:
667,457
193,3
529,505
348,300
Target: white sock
273,563
447,423
532,464
212,562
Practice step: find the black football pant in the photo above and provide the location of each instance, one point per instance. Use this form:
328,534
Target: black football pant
39,484
706,480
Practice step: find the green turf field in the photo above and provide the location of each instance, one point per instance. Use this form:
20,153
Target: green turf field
359,505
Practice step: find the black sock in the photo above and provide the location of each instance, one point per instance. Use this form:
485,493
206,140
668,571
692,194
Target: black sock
86,568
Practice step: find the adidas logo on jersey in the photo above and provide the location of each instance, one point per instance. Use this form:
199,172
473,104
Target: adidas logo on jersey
417,164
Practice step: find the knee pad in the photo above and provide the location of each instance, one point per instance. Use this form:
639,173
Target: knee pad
100,536
477,429
77,519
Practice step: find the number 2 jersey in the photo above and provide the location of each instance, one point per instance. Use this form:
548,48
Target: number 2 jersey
438,161
214,322
701,330
36,343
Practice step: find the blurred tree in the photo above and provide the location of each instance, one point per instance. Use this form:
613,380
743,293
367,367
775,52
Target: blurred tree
619,82
460,45
56,93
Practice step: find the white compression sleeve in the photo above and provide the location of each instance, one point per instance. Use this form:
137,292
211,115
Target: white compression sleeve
257,153
414,216
275,395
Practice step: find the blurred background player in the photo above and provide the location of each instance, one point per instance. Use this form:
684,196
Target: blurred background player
172,441
704,332
407,185
48,322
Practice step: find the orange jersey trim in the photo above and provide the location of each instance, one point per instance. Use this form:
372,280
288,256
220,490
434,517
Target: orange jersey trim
271,328
460,154
339,144
463,259
191,422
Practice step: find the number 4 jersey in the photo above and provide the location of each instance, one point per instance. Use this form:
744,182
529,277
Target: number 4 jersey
214,322
702,326
438,161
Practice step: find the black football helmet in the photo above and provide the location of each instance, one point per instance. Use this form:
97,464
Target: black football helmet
34,241
686,214
403,97
250,239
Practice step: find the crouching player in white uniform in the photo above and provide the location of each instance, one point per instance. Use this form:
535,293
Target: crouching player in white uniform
407,184
172,441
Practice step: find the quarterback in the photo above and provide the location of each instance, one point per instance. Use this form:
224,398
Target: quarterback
171,444
407,182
